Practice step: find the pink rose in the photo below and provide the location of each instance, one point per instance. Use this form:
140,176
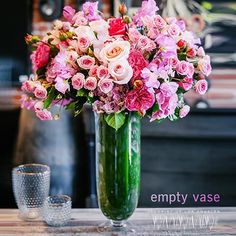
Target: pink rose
173,30
139,100
145,44
201,86
79,19
62,85
38,106
159,21
184,111
182,68
105,85
78,81
44,114
201,52
83,43
186,83
28,86
86,62
134,35
40,92
90,83
190,70
204,65
173,61
102,72
93,71
68,13
40,57
137,62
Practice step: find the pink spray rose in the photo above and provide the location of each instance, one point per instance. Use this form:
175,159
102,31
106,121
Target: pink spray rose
28,86
83,43
186,83
102,72
90,83
44,114
204,65
40,92
78,81
139,100
93,71
201,86
86,62
68,13
40,57
62,85
105,85
184,111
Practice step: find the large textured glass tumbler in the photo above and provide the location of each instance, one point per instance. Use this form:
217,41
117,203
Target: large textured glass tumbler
118,168
31,187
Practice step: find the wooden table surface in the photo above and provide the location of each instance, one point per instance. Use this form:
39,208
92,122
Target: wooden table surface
152,222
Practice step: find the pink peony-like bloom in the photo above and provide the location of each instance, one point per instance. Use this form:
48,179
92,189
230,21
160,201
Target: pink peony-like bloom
44,114
184,111
86,62
102,72
150,78
201,86
62,85
90,10
204,65
90,83
186,83
78,81
40,92
148,8
137,62
166,43
40,57
106,85
68,13
139,100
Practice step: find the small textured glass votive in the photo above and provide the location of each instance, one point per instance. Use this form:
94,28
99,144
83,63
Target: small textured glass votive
57,210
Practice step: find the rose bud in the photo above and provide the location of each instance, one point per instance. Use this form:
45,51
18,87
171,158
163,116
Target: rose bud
181,43
122,9
127,19
191,53
31,39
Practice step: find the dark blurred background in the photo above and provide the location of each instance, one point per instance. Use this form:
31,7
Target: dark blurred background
193,155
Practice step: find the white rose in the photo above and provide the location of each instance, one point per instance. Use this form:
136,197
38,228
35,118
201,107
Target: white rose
101,28
121,71
115,50
85,31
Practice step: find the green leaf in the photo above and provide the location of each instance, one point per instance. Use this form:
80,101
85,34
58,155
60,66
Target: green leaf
71,106
81,93
155,107
79,106
51,96
115,120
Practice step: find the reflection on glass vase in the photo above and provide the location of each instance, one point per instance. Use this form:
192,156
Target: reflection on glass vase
118,168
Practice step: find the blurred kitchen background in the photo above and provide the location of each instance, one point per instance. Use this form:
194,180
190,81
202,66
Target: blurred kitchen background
193,155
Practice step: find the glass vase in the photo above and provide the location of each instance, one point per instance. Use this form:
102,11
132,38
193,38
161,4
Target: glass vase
118,168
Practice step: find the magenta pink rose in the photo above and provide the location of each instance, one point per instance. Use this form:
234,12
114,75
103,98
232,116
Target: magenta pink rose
201,86
86,62
40,92
106,85
40,57
102,72
78,81
186,83
90,83
44,114
137,62
184,111
139,100
93,71
182,67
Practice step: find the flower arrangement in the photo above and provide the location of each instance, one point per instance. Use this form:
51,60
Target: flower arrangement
143,64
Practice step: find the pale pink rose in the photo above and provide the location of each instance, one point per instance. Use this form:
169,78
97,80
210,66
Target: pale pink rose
78,81
101,28
121,71
38,106
114,51
134,35
27,102
173,30
204,66
186,83
44,114
201,86
173,61
190,70
105,85
146,44
84,30
102,72
184,111
28,86
62,85
90,83
83,43
93,71
201,52
40,92
159,21
86,62
185,68
79,19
